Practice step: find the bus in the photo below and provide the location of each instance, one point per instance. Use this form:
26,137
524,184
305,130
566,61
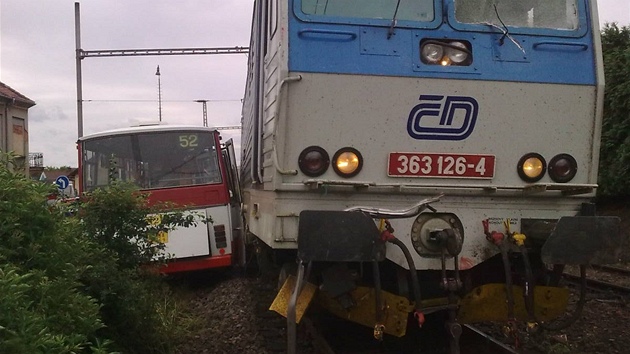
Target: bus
184,165
447,148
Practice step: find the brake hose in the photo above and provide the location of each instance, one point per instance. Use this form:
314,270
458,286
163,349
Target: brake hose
530,306
389,237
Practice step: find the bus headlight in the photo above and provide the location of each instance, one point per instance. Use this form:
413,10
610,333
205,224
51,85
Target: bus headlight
455,55
313,161
531,167
562,168
432,53
347,162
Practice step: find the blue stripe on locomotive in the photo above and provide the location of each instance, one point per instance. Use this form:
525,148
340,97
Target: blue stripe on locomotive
353,46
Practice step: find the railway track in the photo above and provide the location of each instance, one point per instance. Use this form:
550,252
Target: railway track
611,269
604,278
476,341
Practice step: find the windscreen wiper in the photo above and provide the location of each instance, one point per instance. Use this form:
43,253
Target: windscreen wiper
505,30
393,24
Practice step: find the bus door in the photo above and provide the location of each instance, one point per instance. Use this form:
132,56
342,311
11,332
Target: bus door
229,159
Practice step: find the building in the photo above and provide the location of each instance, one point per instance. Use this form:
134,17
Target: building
14,124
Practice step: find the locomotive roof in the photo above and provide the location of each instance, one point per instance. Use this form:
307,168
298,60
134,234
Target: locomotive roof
147,128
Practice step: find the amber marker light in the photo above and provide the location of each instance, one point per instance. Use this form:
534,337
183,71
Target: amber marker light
347,162
531,167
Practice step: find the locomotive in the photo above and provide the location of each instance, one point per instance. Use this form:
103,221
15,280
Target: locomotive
417,156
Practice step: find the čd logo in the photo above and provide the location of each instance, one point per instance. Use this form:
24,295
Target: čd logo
443,118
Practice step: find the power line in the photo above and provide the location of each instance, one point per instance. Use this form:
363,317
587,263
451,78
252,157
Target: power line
117,100
228,127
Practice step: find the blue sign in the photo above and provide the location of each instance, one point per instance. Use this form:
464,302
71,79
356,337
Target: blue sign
443,118
62,182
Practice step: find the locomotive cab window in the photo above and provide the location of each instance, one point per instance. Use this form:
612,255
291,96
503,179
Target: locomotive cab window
549,14
408,10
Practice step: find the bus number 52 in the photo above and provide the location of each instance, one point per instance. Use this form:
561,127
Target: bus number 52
187,141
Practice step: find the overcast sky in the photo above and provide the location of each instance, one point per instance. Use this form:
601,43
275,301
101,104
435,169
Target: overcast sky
37,58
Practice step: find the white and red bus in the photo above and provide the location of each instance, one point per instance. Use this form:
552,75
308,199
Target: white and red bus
184,165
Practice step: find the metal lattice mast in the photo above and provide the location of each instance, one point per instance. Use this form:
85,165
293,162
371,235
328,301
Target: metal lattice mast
159,93
205,111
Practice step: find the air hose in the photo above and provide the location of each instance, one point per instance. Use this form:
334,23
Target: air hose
529,299
386,235
529,284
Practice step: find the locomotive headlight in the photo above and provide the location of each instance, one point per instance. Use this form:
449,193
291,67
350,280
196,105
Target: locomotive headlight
347,162
432,53
531,167
313,161
446,52
562,168
455,55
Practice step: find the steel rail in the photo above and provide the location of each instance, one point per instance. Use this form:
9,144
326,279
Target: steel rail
598,284
611,269
474,339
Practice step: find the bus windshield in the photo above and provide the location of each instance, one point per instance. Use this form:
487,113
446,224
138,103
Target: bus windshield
408,10
551,14
151,160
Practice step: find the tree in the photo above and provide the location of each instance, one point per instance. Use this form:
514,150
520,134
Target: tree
614,166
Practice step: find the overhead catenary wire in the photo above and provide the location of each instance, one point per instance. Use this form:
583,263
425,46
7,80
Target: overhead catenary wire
151,101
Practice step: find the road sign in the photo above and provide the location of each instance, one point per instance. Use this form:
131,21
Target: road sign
62,182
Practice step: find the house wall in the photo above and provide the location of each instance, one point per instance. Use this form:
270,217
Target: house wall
14,131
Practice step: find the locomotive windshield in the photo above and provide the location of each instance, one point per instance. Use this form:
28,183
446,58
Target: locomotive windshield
408,10
151,160
553,14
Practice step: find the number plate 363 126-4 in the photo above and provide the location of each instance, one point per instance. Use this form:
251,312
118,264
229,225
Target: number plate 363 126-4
409,164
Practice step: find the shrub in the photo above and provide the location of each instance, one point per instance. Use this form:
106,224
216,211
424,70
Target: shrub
79,284
614,166
42,307
120,219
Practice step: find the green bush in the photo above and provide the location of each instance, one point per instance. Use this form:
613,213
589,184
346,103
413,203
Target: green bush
119,218
79,284
614,166
42,307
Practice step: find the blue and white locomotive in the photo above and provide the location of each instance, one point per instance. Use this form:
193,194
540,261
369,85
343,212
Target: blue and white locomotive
435,154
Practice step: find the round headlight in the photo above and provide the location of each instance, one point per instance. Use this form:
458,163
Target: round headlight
562,168
531,167
313,161
347,162
432,53
455,55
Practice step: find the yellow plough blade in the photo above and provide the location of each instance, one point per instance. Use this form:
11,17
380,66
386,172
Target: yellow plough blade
281,302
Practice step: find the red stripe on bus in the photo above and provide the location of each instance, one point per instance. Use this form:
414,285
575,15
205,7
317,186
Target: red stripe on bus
197,264
200,196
